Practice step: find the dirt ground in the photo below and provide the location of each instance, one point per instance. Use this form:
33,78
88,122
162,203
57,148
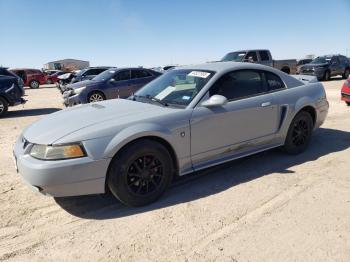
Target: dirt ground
267,207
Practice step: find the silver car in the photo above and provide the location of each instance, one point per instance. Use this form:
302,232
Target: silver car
188,119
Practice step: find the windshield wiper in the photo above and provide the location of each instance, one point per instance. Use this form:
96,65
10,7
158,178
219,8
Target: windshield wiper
154,99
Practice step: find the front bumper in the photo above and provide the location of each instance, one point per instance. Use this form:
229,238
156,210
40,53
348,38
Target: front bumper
80,176
70,99
318,72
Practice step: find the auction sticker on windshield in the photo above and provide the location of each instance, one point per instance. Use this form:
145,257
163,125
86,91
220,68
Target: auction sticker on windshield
199,74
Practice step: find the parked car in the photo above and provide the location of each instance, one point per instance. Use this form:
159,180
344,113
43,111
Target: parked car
345,92
325,67
65,79
11,90
302,62
188,119
88,73
31,77
112,83
53,78
263,57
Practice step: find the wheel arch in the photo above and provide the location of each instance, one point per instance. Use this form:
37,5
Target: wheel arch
311,110
150,137
286,69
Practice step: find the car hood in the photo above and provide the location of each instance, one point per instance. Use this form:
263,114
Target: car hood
314,65
81,84
65,122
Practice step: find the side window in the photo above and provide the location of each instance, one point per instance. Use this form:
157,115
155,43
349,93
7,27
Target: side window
274,82
92,72
264,55
252,55
123,75
238,84
139,74
4,72
334,60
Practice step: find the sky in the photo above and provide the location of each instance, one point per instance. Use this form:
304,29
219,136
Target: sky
155,32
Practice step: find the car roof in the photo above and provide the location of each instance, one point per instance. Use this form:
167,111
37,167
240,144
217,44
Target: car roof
227,66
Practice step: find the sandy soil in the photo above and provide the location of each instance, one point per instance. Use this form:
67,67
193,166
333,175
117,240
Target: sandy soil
268,207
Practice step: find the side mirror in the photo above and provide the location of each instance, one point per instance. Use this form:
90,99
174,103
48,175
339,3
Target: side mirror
215,100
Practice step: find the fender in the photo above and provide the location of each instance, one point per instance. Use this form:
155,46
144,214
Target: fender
134,132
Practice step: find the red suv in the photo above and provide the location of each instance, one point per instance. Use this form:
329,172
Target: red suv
31,77
345,92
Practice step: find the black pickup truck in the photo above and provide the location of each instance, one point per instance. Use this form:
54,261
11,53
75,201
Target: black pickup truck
11,90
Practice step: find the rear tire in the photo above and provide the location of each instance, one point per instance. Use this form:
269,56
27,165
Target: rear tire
299,133
34,84
140,173
3,107
346,73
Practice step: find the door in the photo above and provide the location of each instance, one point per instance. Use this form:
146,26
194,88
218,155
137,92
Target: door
119,86
250,114
336,68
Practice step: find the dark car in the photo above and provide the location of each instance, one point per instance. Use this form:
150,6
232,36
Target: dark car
302,62
31,77
88,73
113,83
11,90
325,67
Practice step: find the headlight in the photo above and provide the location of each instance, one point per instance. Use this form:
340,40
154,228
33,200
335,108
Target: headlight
79,90
59,152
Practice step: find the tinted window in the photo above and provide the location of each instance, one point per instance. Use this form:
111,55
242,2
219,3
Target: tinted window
139,74
334,60
274,82
4,72
34,72
264,56
252,54
238,84
123,75
93,72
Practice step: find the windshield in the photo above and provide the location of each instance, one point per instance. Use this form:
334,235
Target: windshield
234,56
176,87
81,72
105,75
321,60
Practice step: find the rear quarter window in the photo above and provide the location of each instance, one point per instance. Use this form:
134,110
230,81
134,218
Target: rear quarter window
274,82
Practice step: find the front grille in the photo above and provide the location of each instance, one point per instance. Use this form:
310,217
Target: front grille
345,95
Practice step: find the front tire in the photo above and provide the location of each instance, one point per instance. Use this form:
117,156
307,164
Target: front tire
96,97
140,173
327,76
299,133
34,84
346,73
3,107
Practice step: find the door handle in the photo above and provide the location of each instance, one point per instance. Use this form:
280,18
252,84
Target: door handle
266,104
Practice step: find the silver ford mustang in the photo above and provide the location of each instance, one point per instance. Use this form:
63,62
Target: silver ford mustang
188,119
